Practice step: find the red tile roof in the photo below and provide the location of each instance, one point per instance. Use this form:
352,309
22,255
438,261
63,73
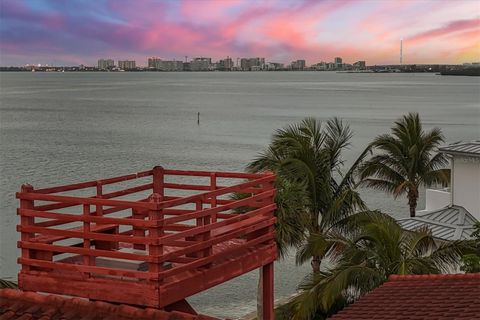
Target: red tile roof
450,296
16,304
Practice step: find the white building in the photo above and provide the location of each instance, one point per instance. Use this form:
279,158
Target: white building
452,212
127,64
104,64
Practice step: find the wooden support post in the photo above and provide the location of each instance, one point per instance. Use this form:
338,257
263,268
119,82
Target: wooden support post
213,200
158,180
155,232
267,294
87,259
25,222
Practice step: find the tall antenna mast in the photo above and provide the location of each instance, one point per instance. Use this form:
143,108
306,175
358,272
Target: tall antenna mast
401,52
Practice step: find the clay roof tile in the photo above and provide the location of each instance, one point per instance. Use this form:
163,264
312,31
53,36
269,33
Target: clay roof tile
442,297
17,304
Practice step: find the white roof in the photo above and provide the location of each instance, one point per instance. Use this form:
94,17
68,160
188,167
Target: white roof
469,148
449,223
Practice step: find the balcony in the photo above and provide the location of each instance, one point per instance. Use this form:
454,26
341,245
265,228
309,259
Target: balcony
150,239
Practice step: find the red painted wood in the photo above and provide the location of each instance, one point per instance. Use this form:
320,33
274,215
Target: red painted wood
155,233
114,272
99,208
143,293
182,259
197,281
65,218
79,200
26,221
267,294
182,306
73,233
158,181
84,251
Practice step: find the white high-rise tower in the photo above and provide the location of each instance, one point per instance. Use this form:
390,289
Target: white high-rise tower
401,52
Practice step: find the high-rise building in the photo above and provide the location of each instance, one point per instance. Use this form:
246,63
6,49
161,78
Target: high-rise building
200,64
105,64
244,65
252,64
338,63
321,66
359,65
298,65
155,63
271,66
127,64
172,65
225,64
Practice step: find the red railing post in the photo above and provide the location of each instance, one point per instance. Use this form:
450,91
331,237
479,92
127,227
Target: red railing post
137,231
158,180
155,232
25,222
205,236
213,200
87,259
267,294
99,208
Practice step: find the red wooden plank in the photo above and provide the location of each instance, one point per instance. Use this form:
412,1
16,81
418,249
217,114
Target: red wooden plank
81,234
183,287
182,186
216,210
127,191
219,224
218,192
51,223
129,292
91,269
65,218
67,187
84,251
216,257
93,183
78,200
220,174
126,177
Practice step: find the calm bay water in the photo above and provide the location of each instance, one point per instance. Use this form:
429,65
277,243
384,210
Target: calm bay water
70,127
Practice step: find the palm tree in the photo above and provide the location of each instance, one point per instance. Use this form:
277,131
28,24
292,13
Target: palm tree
365,257
292,220
405,160
310,154
7,284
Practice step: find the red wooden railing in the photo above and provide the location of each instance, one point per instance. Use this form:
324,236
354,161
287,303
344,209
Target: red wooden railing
163,236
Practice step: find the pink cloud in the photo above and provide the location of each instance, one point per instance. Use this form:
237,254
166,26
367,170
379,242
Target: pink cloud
451,27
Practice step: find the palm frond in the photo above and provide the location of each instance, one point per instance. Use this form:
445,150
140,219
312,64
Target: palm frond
6,284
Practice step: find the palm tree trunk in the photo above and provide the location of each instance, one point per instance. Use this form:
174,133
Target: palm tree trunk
316,264
412,201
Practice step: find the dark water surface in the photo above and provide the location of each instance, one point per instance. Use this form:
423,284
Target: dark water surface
70,127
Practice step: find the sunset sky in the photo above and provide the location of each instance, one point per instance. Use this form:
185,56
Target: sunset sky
81,31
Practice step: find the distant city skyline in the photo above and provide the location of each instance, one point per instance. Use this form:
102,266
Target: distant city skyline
80,32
